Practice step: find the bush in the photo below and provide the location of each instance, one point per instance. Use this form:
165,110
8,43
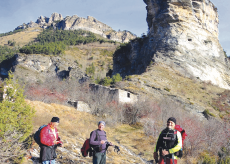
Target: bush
15,121
90,70
6,53
107,81
206,158
116,78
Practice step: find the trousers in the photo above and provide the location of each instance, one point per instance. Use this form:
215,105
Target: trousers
99,158
168,161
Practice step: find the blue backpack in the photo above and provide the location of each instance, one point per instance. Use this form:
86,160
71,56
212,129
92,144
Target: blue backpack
37,134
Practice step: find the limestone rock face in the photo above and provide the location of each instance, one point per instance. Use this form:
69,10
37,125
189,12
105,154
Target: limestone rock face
182,34
75,23
32,24
55,17
95,26
89,24
35,67
41,20
120,36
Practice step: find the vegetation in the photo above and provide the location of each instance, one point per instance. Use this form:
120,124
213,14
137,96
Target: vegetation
150,115
47,48
10,33
108,81
55,41
6,53
15,121
90,70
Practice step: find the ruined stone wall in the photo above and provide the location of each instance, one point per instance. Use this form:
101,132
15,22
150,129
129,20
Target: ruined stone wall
127,97
113,94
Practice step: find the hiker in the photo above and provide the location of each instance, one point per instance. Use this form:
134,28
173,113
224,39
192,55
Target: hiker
49,142
99,143
168,144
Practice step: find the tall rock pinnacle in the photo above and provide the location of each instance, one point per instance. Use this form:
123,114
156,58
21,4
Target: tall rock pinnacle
182,34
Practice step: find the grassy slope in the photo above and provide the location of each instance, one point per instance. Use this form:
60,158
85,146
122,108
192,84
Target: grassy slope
170,82
76,126
21,38
98,54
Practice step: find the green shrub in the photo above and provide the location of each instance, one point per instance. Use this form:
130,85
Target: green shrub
6,53
107,81
15,121
207,113
90,70
206,158
116,78
98,80
128,77
167,89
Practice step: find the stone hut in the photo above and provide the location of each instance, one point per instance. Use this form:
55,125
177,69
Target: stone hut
114,94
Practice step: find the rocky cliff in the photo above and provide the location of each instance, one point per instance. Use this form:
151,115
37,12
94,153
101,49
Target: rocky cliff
182,34
36,68
75,23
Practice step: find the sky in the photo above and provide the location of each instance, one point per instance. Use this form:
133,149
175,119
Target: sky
119,14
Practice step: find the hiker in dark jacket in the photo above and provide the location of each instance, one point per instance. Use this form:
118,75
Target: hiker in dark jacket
49,141
99,142
168,143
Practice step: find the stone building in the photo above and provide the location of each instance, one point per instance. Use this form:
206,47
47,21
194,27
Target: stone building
80,105
114,94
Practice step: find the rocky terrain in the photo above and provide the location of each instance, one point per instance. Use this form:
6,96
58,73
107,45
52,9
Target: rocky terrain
75,23
35,68
180,65
184,36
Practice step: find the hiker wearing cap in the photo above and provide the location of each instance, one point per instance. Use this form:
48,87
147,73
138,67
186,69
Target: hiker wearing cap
99,143
168,144
49,141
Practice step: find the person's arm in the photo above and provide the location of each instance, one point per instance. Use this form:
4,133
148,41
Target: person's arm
158,143
179,144
45,138
92,139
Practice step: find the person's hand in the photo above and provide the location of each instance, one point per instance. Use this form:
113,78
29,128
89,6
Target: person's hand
59,143
102,142
55,142
155,155
164,152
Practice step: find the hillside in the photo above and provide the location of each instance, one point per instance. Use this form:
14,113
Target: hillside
76,126
178,69
21,38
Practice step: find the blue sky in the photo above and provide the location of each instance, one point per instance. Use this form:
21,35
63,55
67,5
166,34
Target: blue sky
119,14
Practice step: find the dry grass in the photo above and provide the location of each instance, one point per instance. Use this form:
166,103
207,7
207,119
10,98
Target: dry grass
98,54
76,126
21,38
172,83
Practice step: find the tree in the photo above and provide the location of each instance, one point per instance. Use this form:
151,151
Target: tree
116,78
15,121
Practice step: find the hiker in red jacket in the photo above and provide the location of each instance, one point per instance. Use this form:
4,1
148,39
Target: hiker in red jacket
168,144
49,142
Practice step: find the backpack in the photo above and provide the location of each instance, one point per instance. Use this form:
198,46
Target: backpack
87,148
37,135
183,136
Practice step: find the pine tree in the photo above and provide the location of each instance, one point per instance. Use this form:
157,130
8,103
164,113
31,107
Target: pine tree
15,121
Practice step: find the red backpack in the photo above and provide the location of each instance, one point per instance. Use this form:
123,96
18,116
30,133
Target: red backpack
183,135
86,149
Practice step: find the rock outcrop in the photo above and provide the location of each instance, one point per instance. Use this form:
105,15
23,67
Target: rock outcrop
182,34
75,23
34,68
